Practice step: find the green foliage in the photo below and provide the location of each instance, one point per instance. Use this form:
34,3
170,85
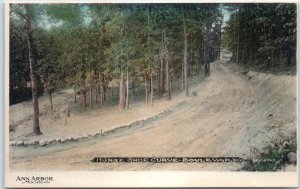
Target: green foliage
274,159
264,33
87,45
49,52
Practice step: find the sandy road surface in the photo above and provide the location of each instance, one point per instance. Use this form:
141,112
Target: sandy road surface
210,124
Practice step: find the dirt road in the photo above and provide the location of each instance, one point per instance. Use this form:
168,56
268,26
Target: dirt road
215,122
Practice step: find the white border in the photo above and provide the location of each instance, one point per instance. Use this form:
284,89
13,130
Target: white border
137,178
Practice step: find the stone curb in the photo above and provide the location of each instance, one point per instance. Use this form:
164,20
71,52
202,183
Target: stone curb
43,143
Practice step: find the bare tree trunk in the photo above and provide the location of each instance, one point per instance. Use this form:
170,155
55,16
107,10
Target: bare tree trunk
51,103
250,53
75,99
168,77
97,93
243,54
103,89
186,87
127,89
83,99
161,77
238,36
101,96
182,76
151,83
146,90
30,41
132,90
272,59
157,85
122,93
158,77
91,96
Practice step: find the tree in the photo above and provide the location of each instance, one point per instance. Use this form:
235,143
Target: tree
268,34
48,61
27,13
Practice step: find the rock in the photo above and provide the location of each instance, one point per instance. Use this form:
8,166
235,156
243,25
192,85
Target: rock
85,136
63,140
34,142
245,72
43,143
12,143
20,143
58,140
52,140
26,143
292,158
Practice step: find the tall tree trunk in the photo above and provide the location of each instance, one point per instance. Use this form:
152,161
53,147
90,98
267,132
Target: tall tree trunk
127,89
91,96
103,88
101,95
75,99
97,93
168,88
151,94
185,57
161,77
34,91
132,90
51,103
122,93
250,53
243,54
103,92
238,36
182,76
146,90
272,59
83,100
158,76
208,68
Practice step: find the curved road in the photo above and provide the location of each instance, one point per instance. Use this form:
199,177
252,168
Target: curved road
205,125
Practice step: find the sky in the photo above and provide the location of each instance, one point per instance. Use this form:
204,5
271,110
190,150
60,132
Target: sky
226,15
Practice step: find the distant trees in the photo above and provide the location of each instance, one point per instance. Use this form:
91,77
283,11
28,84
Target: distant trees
19,64
89,46
262,35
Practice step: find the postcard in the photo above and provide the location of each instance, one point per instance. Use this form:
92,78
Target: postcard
150,94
